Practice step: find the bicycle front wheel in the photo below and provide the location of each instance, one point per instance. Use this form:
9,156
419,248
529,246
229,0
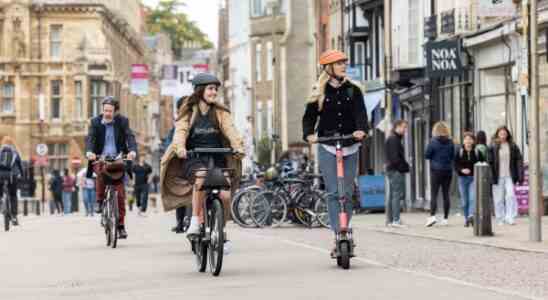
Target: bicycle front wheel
268,208
217,239
6,211
114,220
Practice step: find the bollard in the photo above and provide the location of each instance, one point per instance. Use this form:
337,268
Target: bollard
482,188
37,207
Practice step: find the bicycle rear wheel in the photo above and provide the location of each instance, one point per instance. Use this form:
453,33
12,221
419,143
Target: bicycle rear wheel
217,239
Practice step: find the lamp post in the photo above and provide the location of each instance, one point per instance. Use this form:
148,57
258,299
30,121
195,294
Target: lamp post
274,7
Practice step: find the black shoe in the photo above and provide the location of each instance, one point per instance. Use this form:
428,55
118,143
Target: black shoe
15,222
99,208
471,221
122,234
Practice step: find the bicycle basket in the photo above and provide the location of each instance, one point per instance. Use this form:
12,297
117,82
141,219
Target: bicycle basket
114,170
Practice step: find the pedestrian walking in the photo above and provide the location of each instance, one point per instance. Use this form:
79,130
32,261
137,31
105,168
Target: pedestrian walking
142,172
87,185
56,190
396,168
156,183
68,189
466,157
441,154
507,168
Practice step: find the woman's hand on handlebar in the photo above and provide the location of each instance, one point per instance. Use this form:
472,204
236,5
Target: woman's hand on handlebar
181,153
359,135
91,156
131,155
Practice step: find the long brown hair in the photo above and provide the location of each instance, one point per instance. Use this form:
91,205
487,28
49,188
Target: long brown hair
194,99
509,139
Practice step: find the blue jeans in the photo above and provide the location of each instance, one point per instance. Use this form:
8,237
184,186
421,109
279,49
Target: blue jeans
141,196
396,181
467,197
67,202
89,201
328,167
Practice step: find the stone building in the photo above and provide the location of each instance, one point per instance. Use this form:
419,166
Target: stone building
58,59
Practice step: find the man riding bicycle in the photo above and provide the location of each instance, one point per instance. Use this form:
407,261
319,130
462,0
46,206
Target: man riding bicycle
109,135
11,169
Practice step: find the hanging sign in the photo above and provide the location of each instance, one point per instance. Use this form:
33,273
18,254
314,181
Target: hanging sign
139,79
443,59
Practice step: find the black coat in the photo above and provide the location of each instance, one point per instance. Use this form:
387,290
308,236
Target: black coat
95,142
467,160
343,112
516,163
395,154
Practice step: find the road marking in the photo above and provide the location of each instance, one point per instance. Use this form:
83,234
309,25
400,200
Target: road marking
385,266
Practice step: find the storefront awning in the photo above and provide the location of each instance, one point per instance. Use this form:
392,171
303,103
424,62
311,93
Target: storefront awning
372,99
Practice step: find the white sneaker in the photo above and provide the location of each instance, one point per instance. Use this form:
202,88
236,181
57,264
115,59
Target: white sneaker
227,248
511,222
194,227
398,225
431,221
444,222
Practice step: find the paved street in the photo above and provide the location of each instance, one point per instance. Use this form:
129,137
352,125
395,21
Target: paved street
55,257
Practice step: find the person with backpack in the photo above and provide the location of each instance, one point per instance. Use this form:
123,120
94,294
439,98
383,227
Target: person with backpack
68,188
441,154
467,156
507,168
11,168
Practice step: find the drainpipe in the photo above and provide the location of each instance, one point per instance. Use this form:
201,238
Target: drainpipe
281,64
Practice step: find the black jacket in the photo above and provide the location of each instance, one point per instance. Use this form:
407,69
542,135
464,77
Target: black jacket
467,160
516,163
395,154
441,153
343,112
95,142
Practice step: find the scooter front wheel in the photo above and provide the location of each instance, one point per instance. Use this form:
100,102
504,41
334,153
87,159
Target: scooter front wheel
343,260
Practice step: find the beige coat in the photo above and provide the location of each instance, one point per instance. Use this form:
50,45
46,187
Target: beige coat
177,191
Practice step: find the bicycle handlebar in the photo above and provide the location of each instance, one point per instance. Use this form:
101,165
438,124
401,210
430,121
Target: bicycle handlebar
211,151
335,138
110,158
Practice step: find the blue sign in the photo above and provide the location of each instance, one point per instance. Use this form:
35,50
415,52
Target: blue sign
354,73
372,190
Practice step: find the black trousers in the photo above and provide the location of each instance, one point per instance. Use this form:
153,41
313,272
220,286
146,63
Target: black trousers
12,190
440,179
180,214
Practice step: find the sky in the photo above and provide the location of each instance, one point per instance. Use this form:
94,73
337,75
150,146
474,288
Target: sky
203,12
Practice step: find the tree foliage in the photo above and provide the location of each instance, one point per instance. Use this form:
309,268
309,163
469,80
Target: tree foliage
165,18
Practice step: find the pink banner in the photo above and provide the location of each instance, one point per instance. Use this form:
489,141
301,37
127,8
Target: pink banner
139,71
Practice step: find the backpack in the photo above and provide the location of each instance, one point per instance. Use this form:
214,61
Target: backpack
7,158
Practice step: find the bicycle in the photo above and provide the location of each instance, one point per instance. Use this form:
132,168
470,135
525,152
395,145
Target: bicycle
110,217
210,242
5,201
344,249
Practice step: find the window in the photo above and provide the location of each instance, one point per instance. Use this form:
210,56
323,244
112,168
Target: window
55,110
258,61
259,120
414,29
8,92
58,157
55,41
269,114
269,61
359,59
78,100
257,8
99,90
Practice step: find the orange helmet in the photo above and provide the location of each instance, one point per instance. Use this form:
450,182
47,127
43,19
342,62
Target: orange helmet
332,56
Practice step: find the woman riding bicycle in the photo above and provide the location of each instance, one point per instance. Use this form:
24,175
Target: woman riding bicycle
339,105
202,122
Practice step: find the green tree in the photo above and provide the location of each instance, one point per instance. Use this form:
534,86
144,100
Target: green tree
166,18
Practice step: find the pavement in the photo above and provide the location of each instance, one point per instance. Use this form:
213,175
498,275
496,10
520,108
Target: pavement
511,237
56,257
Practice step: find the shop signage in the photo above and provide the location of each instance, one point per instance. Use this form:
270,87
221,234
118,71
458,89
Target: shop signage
448,22
496,8
430,27
443,59
139,79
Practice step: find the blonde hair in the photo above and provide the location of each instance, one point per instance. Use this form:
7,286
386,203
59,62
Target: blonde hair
7,140
441,129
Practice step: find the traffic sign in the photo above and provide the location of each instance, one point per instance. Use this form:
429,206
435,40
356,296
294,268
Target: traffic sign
42,149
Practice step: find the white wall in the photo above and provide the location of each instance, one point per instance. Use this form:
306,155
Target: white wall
402,28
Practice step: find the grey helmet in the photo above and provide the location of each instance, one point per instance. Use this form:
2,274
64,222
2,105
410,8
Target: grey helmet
205,79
